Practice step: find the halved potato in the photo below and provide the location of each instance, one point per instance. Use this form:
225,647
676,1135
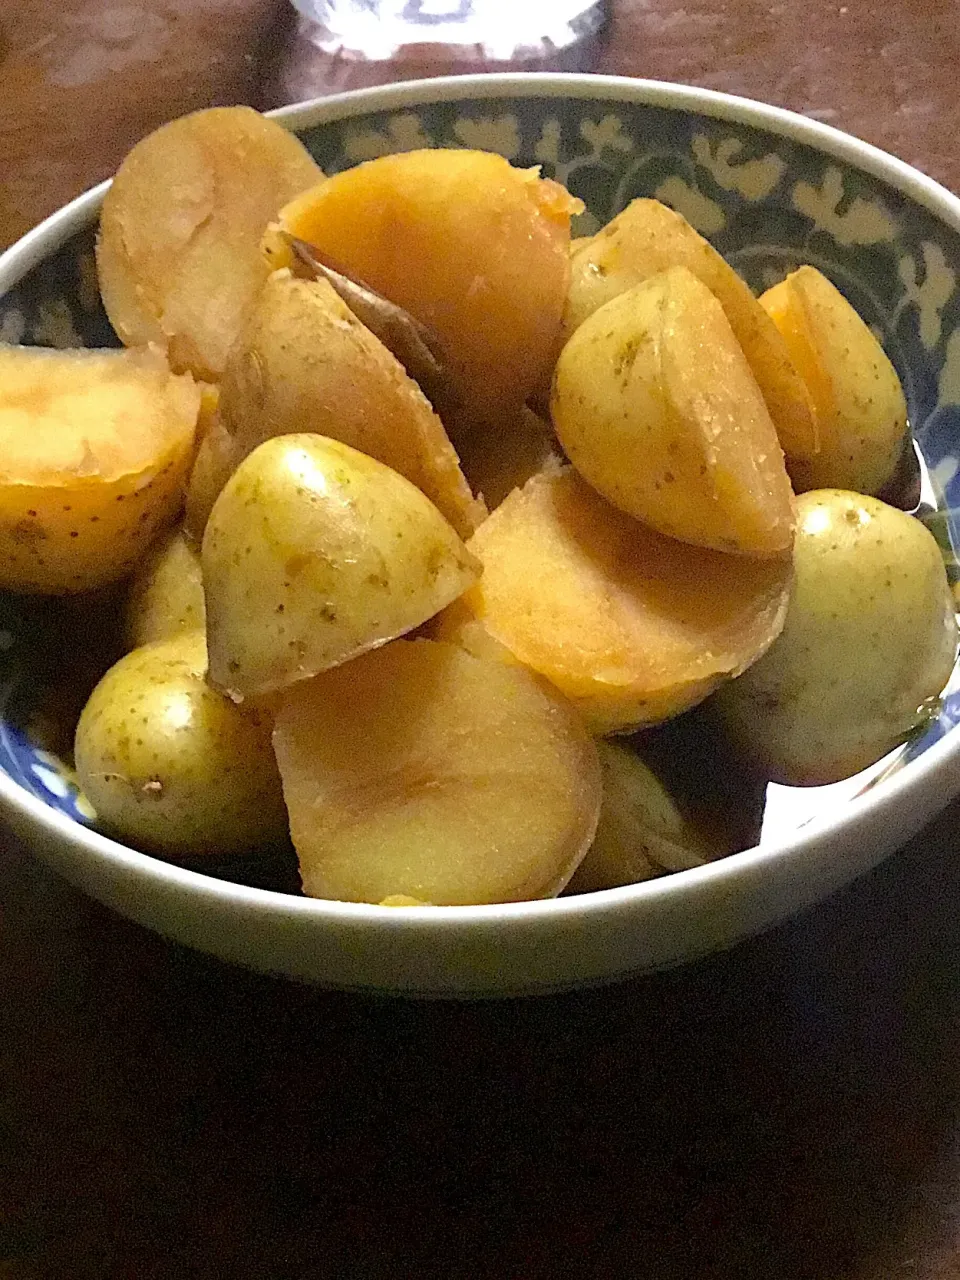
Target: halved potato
166,592
631,626
860,405
179,256
655,405
314,553
94,450
305,363
647,238
422,773
472,247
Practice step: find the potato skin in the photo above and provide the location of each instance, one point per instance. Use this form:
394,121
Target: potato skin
313,553
165,596
647,238
171,765
656,407
305,363
95,448
472,247
861,410
421,772
178,254
870,637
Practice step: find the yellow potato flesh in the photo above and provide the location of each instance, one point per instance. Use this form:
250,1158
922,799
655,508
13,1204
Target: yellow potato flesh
647,238
860,404
170,764
418,772
631,626
178,256
472,247
305,363
94,449
166,592
870,637
313,553
655,405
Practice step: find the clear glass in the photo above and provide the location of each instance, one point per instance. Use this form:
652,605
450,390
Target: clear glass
349,44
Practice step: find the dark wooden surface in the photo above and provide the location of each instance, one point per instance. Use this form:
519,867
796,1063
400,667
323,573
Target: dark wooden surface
787,1110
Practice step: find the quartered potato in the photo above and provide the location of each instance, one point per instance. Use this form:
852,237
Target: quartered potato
473,248
313,553
305,363
859,402
166,592
172,765
418,772
178,255
655,405
94,449
647,238
870,638
633,627
642,832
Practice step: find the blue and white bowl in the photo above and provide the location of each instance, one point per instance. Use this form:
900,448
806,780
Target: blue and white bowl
771,190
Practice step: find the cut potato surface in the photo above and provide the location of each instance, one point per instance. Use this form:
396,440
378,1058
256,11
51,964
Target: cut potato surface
633,627
179,256
420,772
860,405
173,766
313,553
94,450
305,363
473,248
647,238
655,405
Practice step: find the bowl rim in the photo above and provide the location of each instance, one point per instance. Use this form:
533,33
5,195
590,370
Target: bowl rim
49,235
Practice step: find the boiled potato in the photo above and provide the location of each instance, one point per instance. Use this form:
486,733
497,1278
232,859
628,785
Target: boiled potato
647,238
94,449
171,765
418,770
860,406
474,249
214,463
179,256
631,626
642,833
655,405
304,362
869,641
313,553
166,592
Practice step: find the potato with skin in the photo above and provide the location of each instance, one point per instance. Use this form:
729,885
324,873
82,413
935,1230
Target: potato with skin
647,238
632,627
94,449
178,256
869,640
171,765
313,553
165,596
860,405
656,407
305,363
420,772
642,833
473,248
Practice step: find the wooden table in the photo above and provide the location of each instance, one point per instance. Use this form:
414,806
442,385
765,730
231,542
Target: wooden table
788,1110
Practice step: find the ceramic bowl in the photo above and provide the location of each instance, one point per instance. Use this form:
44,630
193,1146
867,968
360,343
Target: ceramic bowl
771,190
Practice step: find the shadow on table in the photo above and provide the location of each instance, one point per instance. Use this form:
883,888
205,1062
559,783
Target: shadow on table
787,1110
